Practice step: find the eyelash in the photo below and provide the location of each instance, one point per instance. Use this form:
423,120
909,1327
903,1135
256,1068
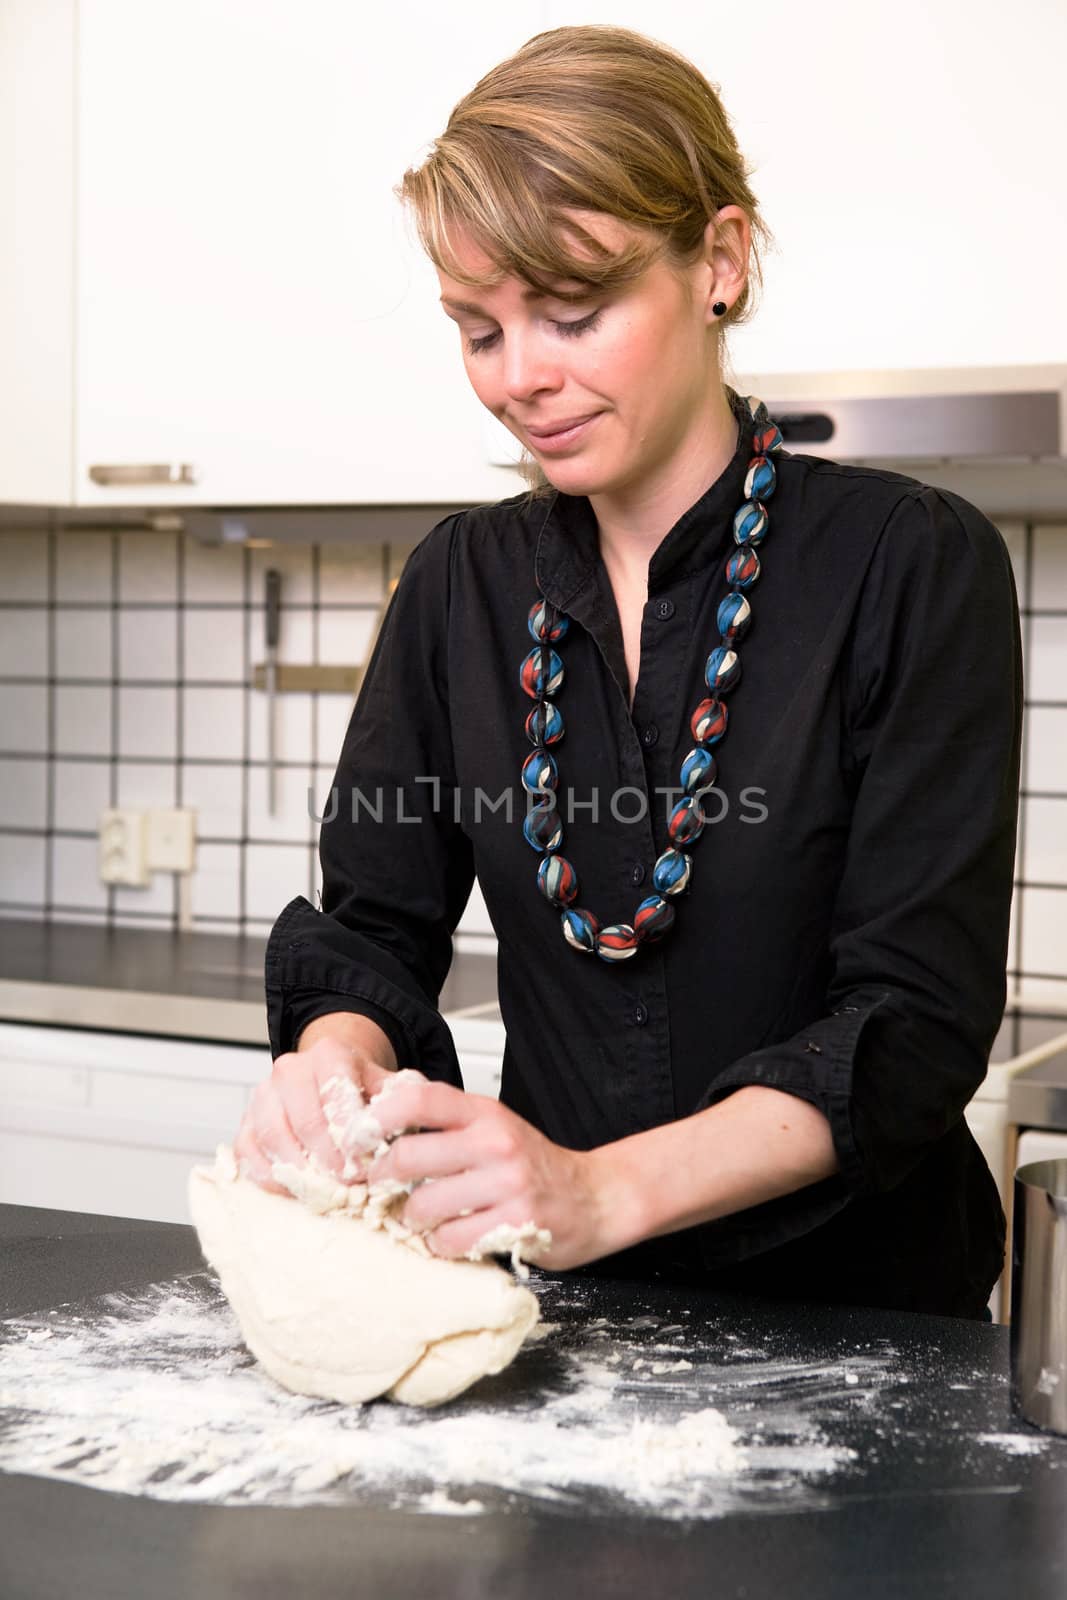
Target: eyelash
570,330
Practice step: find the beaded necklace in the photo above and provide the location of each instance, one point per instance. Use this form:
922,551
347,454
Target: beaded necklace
541,677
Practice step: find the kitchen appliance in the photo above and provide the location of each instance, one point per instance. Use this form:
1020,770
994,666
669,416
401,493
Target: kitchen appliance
1039,1294
997,436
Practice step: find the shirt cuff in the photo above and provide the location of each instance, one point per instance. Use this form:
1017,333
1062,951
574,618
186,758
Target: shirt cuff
816,1064
304,1005
309,952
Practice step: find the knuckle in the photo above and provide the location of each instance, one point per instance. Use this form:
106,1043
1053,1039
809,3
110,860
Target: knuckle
501,1142
399,1157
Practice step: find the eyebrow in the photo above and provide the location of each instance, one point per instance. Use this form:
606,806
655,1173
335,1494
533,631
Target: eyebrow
528,293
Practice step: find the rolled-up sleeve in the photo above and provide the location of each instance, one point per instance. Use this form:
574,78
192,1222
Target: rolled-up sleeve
919,935
397,870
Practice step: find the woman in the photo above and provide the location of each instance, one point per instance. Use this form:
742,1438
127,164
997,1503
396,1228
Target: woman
752,935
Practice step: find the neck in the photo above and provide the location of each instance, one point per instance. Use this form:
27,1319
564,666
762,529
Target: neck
634,519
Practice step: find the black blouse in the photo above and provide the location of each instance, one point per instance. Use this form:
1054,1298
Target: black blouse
843,936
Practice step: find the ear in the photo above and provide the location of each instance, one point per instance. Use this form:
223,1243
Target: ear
727,240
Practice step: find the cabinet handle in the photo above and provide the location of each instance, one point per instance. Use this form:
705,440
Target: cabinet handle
136,475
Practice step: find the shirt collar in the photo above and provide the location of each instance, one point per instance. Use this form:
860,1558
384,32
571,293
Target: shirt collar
568,545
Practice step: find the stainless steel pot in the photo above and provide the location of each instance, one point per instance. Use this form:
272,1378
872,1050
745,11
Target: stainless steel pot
1039,1294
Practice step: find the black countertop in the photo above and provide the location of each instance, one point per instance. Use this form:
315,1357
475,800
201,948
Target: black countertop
153,980
925,1516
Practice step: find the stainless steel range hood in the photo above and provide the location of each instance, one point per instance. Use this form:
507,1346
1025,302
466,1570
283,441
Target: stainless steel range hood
995,435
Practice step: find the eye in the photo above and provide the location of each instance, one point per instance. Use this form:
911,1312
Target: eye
569,330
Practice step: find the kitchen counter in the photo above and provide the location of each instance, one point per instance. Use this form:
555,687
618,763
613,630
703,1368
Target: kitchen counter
185,985
946,1496
1037,1096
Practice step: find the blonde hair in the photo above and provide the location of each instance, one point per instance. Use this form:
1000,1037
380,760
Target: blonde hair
594,118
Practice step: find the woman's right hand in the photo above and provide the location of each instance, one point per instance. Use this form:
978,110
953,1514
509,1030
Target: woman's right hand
285,1119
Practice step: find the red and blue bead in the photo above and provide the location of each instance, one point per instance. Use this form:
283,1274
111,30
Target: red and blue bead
541,677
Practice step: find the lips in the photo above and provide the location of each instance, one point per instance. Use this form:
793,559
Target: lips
561,426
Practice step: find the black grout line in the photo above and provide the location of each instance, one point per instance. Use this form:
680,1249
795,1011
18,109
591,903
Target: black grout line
179,706
51,557
1018,897
115,729
246,739
316,603
161,760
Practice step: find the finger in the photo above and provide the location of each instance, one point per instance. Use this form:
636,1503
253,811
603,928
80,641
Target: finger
415,1103
270,1126
253,1164
414,1156
455,1198
298,1090
459,1235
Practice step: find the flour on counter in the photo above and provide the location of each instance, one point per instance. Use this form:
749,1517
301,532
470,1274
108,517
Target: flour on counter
153,1393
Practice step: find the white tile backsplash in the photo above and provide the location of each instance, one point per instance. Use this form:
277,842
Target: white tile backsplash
1014,536
214,644
148,566
294,635
212,723
24,643
1044,932
141,784
1050,568
83,719
148,644
291,821
157,895
83,643
1046,749
76,873
349,574
344,636
1045,837
22,868
292,726
216,885
293,562
23,565
83,566
189,745
23,717
332,715
276,873
148,722
213,573
81,791
23,792
214,792
1048,659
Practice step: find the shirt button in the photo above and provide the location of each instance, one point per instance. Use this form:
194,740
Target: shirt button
639,1015
650,735
665,609
637,873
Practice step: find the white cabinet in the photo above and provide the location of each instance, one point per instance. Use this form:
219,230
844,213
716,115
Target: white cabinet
903,156
202,262
112,1122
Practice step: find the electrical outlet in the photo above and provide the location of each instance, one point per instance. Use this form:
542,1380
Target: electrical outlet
122,848
170,839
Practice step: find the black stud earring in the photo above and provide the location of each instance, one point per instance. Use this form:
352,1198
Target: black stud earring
719,308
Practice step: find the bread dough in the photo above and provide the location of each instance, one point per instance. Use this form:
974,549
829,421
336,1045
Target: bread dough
337,1298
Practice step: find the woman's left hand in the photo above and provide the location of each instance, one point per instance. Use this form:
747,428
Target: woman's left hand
489,1166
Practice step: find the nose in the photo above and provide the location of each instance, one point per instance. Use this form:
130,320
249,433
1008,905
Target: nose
530,367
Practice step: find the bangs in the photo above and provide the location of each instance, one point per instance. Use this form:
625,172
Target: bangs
515,209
